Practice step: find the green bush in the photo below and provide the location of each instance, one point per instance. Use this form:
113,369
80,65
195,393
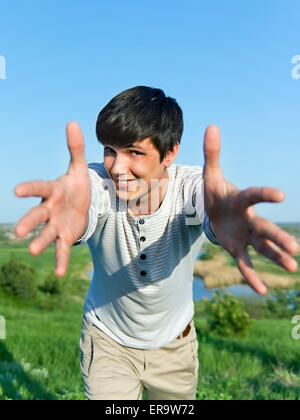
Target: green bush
47,302
18,279
227,316
284,303
52,285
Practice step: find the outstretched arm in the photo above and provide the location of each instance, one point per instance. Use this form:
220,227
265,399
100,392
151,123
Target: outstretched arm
234,221
64,207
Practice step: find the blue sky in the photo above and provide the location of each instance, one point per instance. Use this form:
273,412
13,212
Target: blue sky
226,62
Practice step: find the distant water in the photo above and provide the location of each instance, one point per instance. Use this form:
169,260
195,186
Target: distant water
239,290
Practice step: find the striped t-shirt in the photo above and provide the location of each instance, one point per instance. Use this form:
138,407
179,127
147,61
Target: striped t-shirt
141,294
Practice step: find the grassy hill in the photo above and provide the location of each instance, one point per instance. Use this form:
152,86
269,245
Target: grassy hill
40,358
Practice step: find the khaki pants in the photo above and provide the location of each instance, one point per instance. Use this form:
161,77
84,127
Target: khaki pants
114,372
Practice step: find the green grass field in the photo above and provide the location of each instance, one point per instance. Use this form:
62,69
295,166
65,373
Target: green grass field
44,263
40,357
263,366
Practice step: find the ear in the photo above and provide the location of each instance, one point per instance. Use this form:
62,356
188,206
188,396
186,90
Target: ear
171,156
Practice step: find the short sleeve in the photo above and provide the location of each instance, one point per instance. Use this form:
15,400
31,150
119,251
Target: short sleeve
208,230
99,201
193,195
194,189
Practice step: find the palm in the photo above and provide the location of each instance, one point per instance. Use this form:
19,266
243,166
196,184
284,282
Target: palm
68,205
234,221
64,207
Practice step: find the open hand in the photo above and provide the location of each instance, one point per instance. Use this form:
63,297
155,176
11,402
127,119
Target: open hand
64,207
234,221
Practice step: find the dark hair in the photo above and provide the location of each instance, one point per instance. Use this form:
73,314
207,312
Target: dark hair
138,113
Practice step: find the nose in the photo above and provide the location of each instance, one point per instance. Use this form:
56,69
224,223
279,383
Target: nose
119,166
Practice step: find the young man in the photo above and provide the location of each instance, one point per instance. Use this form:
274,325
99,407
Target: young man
143,218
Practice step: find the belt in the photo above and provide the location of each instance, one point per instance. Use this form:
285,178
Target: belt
186,331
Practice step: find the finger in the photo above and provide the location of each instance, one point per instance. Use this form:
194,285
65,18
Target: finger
31,220
34,189
269,230
274,253
45,238
246,268
62,257
212,147
75,146
254,195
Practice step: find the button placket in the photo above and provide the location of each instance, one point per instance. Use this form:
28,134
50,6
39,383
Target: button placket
143,264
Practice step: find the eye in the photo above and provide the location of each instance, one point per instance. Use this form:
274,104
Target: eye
108,150
135,153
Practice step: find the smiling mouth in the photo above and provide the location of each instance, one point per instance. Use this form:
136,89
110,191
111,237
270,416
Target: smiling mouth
124,183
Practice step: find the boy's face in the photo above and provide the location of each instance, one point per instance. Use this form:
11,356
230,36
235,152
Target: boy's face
136,169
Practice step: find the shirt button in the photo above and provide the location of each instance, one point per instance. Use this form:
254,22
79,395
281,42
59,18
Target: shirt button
143,256
142,238
143,273
141,221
